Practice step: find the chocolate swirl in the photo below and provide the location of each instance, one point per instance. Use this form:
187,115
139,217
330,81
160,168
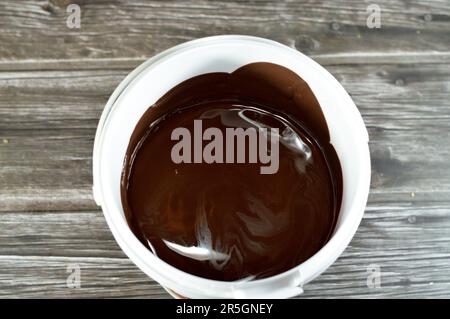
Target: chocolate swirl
228,221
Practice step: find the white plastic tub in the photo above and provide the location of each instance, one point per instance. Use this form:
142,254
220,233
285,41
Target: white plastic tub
148,82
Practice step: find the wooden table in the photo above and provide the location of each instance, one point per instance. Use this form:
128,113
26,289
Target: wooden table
55,81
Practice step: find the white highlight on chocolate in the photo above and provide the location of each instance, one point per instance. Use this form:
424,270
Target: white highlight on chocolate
197,253
189,150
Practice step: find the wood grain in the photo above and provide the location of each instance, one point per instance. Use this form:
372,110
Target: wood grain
329,31
37,248
55,81
47,165
48,121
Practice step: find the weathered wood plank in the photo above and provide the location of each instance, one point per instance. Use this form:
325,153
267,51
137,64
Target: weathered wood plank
57,234
52,171
46,170
55,82
48,121
408,241
330,31
46,276
37,248
75,99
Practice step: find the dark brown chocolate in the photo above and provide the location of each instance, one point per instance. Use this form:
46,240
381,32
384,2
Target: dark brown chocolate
228,221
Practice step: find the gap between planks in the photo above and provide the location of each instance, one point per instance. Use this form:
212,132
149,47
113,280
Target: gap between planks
356,58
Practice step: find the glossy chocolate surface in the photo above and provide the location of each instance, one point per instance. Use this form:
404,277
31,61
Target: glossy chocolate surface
228,221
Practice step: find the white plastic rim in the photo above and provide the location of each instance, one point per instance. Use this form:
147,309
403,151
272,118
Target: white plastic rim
148,82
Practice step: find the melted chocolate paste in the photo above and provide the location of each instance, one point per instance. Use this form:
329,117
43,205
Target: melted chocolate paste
228,221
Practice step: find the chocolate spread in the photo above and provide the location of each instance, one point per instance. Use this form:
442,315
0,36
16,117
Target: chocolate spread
227,221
